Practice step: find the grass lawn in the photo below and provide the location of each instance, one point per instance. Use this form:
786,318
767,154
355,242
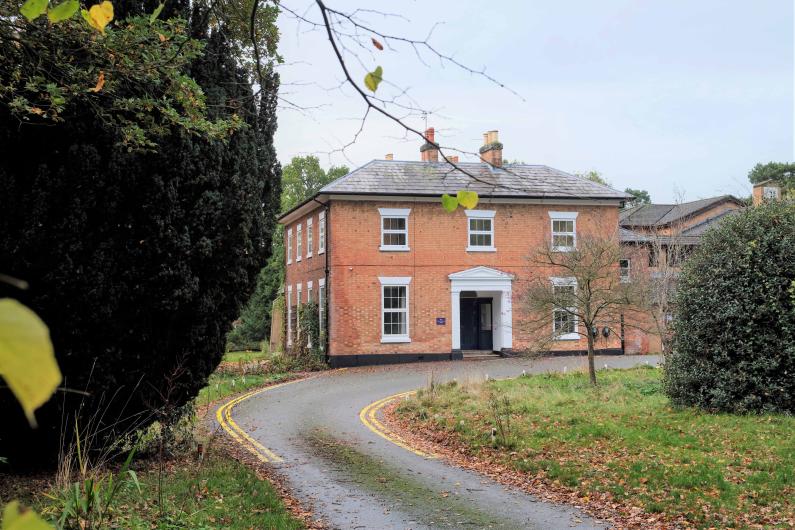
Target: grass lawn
218,492
624,440
221,385
245,356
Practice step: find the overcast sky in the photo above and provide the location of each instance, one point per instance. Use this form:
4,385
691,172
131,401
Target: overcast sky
675,97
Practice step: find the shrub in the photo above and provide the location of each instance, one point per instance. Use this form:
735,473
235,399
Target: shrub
734,331
137,261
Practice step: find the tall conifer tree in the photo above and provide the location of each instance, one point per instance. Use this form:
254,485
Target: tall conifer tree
137,261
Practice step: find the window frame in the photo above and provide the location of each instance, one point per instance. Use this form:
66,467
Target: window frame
289,315
321,311
395,281
394,213
298,290
570,311
480,214
625,278
298,239
309,300
770,193
289,246
563,216
309,239
321,232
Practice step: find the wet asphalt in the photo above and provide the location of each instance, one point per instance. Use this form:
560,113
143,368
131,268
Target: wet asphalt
354,479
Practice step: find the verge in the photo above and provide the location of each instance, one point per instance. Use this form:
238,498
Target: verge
439,443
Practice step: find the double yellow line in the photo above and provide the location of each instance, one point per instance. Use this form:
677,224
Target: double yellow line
368,417
224,417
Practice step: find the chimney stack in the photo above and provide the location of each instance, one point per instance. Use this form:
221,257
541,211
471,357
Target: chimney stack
388,156
766,191
429,150
453,159
491,152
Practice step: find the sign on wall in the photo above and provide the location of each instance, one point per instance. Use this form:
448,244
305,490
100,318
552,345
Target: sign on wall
441,321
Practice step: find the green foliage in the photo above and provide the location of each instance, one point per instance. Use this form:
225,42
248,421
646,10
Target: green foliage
33,9
467,199
138,262
309,345
639,197
63,11
782,172
734,329
27,360
303,177
374,78
594,176
87,503
449,203
47,80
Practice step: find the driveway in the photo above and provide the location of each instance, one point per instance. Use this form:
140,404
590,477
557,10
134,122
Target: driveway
312,435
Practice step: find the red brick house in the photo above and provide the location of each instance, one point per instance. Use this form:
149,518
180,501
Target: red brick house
400,279
657,238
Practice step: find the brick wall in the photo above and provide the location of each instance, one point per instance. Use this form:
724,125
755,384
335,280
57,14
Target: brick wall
437,242
310,268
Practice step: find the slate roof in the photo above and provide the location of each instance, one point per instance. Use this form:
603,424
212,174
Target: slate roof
703,226
398,177
657,215
629,236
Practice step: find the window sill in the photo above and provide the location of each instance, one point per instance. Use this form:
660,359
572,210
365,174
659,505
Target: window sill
308,256
564,249
394,339
297,260
568,336
321,251
481,249
393,248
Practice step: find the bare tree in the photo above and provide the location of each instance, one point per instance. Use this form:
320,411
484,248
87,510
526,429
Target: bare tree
656,253
584,295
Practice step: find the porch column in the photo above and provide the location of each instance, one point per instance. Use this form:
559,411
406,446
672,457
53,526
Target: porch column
455,318
506,318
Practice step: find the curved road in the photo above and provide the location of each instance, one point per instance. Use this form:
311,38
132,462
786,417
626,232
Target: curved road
353,478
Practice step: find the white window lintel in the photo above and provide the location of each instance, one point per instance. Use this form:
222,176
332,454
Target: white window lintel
480,214
563,216
394,212
394,280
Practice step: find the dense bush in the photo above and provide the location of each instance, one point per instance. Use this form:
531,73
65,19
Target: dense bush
734,331
137,261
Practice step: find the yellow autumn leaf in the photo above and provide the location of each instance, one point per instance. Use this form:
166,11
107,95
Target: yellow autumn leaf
27,360
17,518
99,15
467,199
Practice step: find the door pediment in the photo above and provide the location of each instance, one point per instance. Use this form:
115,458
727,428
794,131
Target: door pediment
481,273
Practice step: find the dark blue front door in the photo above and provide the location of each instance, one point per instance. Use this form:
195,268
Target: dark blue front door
476,324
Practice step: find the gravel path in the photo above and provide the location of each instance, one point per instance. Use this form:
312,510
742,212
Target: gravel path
353,478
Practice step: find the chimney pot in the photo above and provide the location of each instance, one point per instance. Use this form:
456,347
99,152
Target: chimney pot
388,156
491,152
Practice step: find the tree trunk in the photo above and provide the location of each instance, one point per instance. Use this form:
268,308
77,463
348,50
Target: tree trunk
591,368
